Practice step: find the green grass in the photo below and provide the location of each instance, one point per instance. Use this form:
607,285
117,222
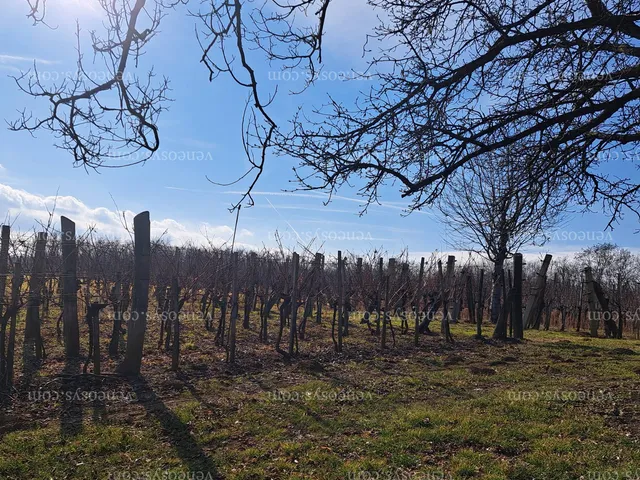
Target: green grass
401,413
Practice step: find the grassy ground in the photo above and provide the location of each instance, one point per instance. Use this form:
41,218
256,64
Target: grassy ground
558,406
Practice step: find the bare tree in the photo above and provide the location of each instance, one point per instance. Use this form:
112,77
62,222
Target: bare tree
561,80
555,82
493,208
114,123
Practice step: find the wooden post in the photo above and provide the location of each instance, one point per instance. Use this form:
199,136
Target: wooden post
537,291
293,334
516,316
140,302
71,331
480,312
416,304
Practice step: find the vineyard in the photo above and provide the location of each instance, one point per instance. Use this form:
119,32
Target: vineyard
117,326
346,347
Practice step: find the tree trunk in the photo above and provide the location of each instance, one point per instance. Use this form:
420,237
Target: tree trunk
516,315
496,288
500,331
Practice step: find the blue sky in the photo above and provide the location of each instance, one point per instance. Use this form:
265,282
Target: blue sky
204,123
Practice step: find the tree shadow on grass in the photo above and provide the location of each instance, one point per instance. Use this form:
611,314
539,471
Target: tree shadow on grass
192,389
187,448
71,407
30,364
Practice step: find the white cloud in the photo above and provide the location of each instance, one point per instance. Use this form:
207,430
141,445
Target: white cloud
26,209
